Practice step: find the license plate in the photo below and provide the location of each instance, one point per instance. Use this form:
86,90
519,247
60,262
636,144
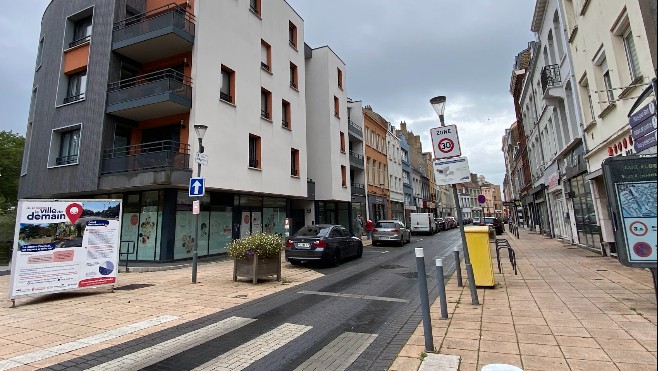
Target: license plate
304,245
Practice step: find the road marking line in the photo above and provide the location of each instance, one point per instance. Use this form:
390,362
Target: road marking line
353,296
42,354
241,357
166,349
340,353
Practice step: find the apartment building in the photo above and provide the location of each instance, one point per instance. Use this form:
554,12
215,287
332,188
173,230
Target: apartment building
419,175
357,162
375,133
116,118
613,47
327,130
396,191
409,205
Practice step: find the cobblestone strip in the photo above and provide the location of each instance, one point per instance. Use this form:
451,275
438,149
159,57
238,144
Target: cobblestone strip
241,357
354,296
339,354
82,343
164,350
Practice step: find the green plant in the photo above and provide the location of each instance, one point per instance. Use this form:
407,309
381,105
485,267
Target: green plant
422,357
265,245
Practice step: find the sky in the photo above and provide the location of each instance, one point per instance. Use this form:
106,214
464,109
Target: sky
399,54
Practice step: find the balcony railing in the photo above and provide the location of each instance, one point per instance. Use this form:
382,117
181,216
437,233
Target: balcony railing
253,163
80,41
550,76
265,114
356,159
358,189
265,66
74,98
226,97
163,81
66,160
355,129
168,15
159,155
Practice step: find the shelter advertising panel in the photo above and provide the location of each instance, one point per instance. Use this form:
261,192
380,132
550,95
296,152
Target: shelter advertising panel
63,245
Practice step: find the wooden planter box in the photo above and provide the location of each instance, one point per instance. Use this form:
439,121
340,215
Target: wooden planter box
255,267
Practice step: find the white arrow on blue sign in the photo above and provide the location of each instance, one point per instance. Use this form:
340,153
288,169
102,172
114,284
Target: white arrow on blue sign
197,187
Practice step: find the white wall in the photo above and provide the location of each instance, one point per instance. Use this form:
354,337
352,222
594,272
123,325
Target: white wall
394,153
228,33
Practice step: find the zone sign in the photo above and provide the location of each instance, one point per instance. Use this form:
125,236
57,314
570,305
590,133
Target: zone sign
445,142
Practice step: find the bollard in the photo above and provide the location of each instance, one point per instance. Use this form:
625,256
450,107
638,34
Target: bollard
442,288
458,267
424,300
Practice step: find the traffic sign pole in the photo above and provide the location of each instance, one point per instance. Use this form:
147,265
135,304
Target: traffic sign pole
195,253
467,256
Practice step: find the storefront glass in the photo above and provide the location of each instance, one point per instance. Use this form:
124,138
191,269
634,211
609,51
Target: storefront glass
184,234
589,232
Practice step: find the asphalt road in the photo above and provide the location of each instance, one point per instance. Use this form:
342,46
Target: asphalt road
357,317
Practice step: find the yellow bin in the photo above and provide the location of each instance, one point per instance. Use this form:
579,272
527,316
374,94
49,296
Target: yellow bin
477,239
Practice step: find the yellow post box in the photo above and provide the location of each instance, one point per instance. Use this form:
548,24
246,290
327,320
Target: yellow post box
477,239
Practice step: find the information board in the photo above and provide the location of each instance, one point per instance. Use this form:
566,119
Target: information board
451,171
64,245
631,188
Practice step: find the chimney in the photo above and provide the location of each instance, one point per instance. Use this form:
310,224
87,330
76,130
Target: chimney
403,126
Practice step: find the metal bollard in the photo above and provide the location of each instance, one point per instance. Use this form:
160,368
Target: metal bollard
458,267
442,288
424,300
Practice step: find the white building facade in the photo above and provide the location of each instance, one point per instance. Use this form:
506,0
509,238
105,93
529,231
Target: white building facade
395,179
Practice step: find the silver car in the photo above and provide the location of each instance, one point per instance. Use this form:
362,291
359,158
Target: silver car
390,231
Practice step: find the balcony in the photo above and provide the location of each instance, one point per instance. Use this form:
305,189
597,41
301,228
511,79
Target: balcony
354,130
551,84
156,163
157,34
356,160
158,94
358,189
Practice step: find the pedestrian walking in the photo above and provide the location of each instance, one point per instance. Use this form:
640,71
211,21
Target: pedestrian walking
369,227
358,225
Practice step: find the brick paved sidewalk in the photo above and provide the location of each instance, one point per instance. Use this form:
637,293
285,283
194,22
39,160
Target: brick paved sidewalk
567,309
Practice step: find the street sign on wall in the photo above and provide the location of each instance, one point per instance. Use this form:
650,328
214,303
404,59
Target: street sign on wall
445,142
643,127
451,171
631,188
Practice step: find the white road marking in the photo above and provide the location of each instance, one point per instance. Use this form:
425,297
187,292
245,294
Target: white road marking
353,296
340,353
82,343
241,357
166,349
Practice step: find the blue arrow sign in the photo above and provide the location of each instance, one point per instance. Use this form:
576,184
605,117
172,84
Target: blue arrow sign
197,187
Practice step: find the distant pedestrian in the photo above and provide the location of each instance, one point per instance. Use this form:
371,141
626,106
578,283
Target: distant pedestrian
358,225
369,227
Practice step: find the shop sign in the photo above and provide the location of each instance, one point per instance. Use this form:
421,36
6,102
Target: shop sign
553,180
631,186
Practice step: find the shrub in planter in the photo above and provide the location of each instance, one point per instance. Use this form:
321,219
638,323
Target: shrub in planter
255,256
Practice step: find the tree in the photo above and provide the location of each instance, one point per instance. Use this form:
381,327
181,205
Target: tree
11,158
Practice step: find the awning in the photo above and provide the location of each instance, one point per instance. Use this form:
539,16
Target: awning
594,174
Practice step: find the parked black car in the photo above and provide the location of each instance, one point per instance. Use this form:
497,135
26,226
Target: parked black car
328,243
441,223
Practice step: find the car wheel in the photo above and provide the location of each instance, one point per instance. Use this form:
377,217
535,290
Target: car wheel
401,243
335,259
359,252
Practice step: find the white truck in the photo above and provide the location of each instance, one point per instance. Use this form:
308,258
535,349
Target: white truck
423,223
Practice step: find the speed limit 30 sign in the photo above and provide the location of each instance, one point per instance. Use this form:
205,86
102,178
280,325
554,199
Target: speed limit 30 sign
445,142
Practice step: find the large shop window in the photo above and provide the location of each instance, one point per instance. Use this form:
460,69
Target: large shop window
184,237
141,225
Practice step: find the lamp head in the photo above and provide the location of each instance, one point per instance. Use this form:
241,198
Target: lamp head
439,105
200,130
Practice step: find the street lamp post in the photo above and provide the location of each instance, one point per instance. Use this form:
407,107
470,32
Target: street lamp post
200,132
439,105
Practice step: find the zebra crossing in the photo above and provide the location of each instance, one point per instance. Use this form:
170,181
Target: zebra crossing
337,355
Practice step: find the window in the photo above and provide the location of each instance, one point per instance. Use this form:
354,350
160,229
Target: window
367,136
584,91
33,102
608,86
336,107
26,149
40,52
342,142
227,89
81,32
64,146
293,76
343,175
254,6
631,55
368,170
294,162
76,88
285,114
265,56
265,104
292,34
254,151
340,78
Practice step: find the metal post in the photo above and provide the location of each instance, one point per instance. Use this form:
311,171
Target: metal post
458,267
442,288
195,252
424,300
467,259
655,281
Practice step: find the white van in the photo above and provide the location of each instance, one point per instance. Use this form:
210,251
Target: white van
423,223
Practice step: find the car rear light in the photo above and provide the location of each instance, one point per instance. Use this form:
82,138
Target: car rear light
320,244
395,230
375,230
288,244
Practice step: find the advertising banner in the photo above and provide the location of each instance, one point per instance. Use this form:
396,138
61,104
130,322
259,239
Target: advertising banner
64,245
631,187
